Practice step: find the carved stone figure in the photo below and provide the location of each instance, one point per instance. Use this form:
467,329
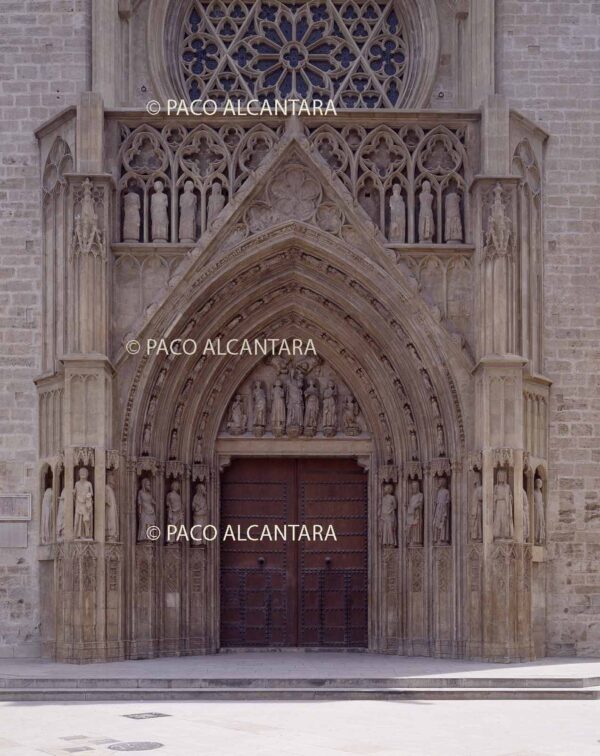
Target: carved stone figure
476,528
188,202
453,231
259,400
414,515
87,237
236,424
173,444
216,201
295,405
151,409
389,516
539,513
146,510
60,517
146,439
278,408
435,408
426,221
525,516
131,216
159,213
440,441
46,520
349,417
414,447
409,416
397,215
198,450
330,409
200,506
503,508
441,513
497,241
84,505
174,505
111,513
311,408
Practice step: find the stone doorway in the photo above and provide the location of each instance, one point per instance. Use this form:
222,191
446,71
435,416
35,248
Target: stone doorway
307,593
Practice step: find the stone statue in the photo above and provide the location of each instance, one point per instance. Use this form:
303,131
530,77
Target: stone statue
174,505
441,513
295,405
435,408
426,221
173,444
311,408
236,425
188,202
146,510
60,517
538,509
111,513
87,236
477,510
414,447
414,515
84,505
46,522
278,408
200,506
259,399
497,240
409,416
146,439
178,413
503,508
397,215
159,204
389,516
216,201
453,231
440,441
151,409
330,409
349,415
198,449
131,216
525,516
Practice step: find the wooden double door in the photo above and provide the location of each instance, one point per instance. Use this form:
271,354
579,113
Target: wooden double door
289,592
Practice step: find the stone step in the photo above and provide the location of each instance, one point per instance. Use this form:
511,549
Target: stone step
450,683
292,693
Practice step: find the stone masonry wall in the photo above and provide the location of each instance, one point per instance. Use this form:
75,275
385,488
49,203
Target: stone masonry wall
548,65
44,64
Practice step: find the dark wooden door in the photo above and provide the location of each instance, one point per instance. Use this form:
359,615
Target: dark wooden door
286,592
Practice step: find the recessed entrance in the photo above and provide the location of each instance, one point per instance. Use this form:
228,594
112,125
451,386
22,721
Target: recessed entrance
286,592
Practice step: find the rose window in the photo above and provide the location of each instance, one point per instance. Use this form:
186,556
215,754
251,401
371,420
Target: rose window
354,53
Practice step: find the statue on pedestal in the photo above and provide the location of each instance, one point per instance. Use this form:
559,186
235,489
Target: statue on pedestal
397,215
146,510
503,508
111,513
441,514
84,506
414,515
131,216
47,516
389,516
426,220
158,213
188,202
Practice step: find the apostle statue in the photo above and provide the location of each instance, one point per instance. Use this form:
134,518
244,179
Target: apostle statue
440,441
216,201
349,416
188,202
159,213
414,515
311,408
295,405
236,425
330,409
131,216
389,516
46,534
173,444
538,509
146,510
397,215
60,517
476,523
111,513
259,401
525,517
426,221
278,408
174,505
453,231
503,508
441,513
84,505
200,506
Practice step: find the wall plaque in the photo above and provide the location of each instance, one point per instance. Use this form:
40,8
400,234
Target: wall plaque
14,507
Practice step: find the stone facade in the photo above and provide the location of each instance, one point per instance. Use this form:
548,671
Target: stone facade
425,249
